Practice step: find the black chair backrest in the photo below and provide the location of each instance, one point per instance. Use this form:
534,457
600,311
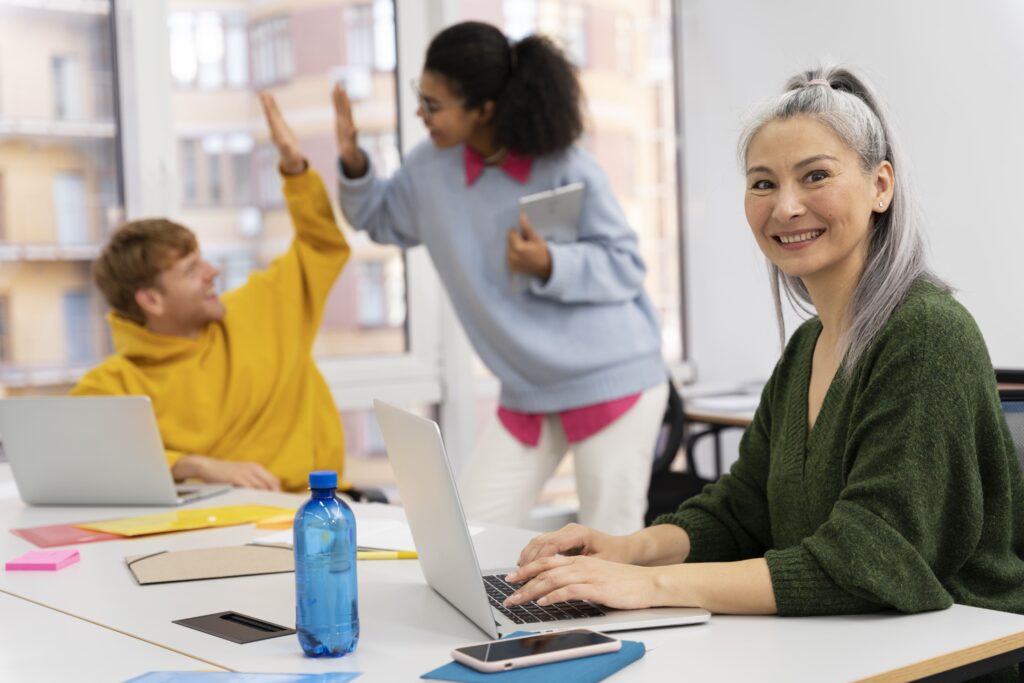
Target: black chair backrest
669,489
1013,408
1011,394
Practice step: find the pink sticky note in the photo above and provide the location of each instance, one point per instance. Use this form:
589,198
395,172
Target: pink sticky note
43,560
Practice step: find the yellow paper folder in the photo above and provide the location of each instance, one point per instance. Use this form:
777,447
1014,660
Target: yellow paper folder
185,520
283,521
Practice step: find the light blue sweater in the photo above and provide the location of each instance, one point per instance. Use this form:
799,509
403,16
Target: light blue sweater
587,335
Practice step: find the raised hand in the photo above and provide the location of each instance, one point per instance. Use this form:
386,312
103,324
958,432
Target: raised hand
284,139
346,133
527,251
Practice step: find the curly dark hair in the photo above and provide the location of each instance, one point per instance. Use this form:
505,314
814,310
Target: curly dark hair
535,89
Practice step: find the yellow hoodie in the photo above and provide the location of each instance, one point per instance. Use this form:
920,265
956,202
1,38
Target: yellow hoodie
247,389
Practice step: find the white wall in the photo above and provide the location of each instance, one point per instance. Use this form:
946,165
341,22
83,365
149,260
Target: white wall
952,74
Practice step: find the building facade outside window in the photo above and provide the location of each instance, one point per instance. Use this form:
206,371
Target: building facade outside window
272,59
5,331
59,188
3,211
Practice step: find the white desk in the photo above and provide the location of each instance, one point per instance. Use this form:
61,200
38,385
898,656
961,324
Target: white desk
39,644
407,629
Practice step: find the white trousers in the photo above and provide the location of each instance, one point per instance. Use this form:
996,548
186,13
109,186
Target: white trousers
501,482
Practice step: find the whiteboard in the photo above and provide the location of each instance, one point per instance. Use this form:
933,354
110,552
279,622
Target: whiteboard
952,75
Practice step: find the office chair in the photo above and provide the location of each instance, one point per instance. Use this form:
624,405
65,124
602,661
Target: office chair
362,494
1013,408
669,489
1011,395
1011,383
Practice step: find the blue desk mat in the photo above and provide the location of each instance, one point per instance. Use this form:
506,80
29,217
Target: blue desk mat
581,670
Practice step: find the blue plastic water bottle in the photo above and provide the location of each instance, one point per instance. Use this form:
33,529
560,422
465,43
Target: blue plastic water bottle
326,604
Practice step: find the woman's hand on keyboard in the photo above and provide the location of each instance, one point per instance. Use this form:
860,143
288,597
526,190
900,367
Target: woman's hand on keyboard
576,539
559,578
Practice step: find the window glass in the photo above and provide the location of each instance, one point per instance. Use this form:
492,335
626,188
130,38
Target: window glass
59,188
79,325
3,210
359,35
230,189
4,331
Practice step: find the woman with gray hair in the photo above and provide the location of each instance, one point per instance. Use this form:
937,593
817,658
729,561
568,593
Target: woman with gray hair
878,472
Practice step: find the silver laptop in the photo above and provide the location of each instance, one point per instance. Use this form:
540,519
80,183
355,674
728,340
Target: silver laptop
446,552
90,450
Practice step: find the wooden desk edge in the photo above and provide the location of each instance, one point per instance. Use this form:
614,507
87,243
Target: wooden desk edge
725,419
950,660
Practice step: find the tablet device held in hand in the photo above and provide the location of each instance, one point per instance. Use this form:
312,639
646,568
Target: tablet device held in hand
555,214
517,653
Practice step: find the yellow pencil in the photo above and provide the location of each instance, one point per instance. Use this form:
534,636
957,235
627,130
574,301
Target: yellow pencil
386,555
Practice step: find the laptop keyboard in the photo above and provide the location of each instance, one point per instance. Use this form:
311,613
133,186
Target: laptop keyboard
531,613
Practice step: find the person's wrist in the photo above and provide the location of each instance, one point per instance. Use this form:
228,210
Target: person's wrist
188,466
353,158
544,270
634,548
665,587
293,165
645,547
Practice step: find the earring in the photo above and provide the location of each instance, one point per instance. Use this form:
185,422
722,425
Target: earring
880,205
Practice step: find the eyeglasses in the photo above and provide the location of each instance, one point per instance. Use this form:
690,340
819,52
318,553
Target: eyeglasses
429,105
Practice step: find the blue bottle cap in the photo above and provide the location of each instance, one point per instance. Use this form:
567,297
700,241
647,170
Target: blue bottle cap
323,479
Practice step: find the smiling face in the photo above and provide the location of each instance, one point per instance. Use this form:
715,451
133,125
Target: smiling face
810,203
183,301
449,122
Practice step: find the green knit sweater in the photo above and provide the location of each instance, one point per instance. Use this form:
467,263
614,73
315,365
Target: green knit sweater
905,494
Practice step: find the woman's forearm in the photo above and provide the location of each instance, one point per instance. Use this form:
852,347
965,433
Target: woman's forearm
659,545
743,587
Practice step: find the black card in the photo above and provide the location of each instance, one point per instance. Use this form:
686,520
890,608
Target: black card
238,628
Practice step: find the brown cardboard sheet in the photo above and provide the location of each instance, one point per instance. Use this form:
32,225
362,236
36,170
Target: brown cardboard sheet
211,563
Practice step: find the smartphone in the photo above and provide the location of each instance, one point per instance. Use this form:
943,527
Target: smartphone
517,653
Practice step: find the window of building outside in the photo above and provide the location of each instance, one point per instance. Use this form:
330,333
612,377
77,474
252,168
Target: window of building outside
230,188
188,166
69,201
209,49
79,325
372,301
67,92
5,342
623,52
3,212
213,148
359,35
59,188
271,49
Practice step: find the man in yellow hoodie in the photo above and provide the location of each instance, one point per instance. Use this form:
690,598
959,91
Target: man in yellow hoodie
236,392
